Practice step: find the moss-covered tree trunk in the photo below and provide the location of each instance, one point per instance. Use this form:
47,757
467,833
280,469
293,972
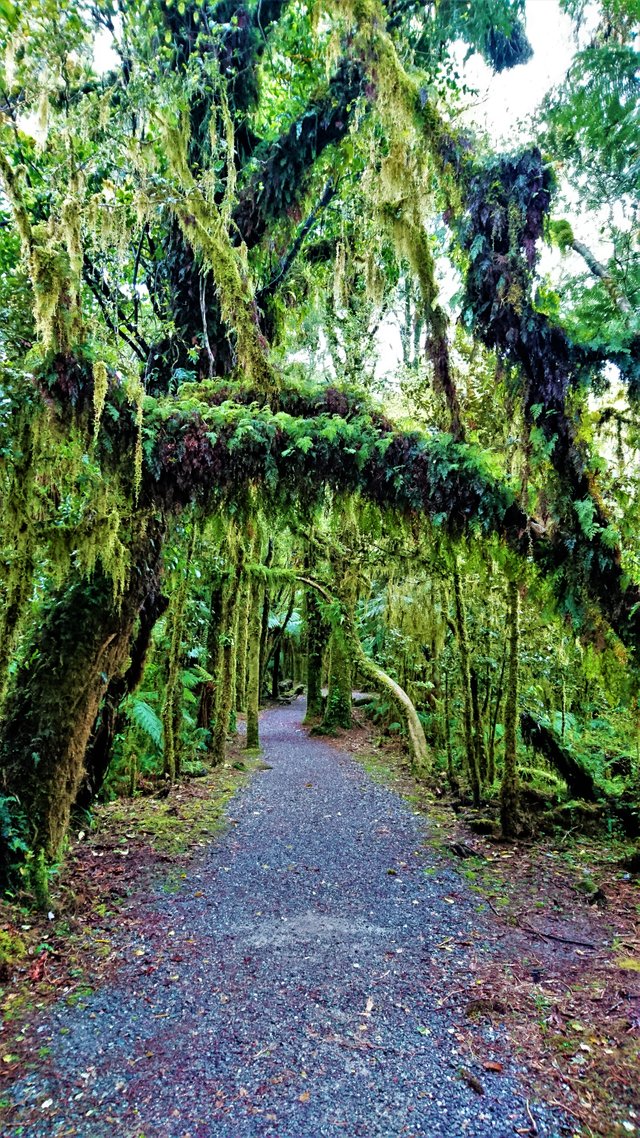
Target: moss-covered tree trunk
463,646
225,677
171,707
112,717
83,639
509,790
241,647
317,635
206,710
253,664
451,771
264,623
421,761
337,712
478,728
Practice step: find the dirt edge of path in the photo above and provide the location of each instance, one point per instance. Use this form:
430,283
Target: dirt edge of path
565,977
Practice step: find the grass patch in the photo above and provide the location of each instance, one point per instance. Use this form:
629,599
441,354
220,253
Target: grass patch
190,816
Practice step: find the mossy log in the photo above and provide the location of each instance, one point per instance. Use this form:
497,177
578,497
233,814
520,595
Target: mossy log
579,780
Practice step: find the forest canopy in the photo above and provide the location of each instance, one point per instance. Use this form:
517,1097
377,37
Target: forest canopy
216,486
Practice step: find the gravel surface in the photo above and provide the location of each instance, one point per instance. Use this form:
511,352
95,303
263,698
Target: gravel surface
296,986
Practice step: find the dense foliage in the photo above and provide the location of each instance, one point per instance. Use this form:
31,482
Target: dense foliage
217,486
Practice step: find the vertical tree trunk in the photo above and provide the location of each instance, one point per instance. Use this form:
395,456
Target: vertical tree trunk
451,773
244,602
275,676
337,712
509,791
253,666
264,625
491,774
478,728
316,643
225,679
206,710
171,708
463,645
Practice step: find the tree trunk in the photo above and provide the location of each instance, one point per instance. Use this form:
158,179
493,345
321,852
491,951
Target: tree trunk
451,773
112,716
82,641
275,678
253,668
372,671
171,708
478,728
316,643
463,645
509,791
225,679
491,773
241,646
337,712
264,625
206,710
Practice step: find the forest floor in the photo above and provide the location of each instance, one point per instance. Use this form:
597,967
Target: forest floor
325,966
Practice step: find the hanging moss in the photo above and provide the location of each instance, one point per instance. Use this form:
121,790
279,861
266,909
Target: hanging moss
100,388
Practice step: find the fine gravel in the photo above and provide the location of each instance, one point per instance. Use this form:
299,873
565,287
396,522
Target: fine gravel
300,984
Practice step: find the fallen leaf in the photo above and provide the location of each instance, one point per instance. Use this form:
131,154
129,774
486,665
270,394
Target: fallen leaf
38,968
491,1065
304,1097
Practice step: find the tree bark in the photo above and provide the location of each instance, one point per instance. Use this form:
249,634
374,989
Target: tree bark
112,716
463,646
337,712
83,640
510,792
478,728
253,669
225,678
421,758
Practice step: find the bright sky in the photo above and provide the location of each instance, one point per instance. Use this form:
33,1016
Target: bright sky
506,99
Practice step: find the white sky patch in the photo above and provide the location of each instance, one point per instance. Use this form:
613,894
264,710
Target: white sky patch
506,100
104,57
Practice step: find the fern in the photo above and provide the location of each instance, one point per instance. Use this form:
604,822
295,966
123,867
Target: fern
147,720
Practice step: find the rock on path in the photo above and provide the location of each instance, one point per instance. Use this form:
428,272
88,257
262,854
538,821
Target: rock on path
295,986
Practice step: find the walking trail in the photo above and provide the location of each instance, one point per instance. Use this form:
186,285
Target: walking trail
296,986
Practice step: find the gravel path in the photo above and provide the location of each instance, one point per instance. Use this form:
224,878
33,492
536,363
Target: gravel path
297,986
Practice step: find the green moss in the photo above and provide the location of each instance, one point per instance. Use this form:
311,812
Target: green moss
177,824
12,947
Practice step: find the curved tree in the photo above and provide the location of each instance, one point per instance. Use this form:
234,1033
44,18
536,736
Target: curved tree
191,183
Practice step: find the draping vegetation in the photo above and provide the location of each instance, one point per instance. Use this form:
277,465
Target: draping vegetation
220,484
